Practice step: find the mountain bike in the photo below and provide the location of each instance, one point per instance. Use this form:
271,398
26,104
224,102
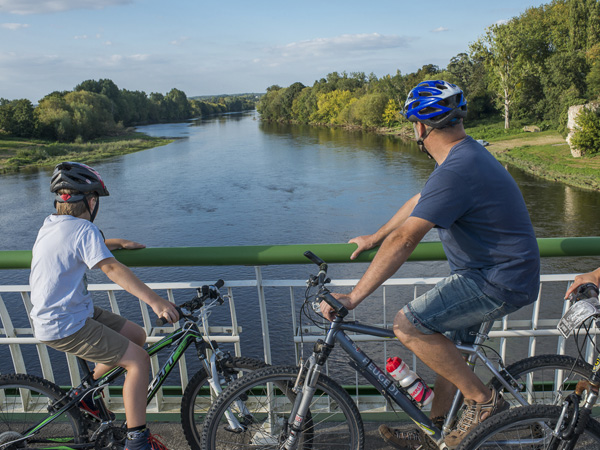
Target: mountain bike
301,407
565,426
36,413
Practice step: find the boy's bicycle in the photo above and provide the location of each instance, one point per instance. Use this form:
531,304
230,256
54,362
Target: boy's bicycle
291,407
36,413
565,426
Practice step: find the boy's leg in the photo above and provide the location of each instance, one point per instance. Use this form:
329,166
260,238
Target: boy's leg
131,331
135,388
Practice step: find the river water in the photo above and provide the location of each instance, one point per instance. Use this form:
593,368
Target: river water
233,180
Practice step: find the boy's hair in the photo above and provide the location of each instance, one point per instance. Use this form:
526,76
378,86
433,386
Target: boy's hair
72,209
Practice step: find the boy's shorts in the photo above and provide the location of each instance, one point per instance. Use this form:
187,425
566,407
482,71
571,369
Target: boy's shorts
99,340
455,307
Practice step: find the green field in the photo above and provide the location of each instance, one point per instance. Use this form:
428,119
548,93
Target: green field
21,154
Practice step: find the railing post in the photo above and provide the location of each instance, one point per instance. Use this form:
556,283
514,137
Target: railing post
263,315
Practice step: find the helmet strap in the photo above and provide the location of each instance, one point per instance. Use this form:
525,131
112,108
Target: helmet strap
421,140
95,211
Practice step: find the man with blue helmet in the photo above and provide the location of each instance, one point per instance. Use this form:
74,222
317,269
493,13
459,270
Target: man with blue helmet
486,232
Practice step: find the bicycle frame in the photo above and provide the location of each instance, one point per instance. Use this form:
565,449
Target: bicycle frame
363,364
183,337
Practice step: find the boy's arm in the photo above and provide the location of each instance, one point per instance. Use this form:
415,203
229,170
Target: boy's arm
117,244
125,278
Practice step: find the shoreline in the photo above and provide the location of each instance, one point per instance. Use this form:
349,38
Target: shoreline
544,154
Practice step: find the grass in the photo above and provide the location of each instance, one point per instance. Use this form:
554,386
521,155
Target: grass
22,154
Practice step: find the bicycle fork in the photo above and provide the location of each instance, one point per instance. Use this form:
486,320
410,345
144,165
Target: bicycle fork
304,395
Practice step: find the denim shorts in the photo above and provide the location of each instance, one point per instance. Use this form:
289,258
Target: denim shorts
455,307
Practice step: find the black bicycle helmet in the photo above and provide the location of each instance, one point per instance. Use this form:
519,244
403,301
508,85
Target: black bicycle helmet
438,104
77,177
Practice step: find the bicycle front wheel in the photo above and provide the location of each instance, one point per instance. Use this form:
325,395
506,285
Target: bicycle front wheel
197,398
544,379
263,404
25,403
527,427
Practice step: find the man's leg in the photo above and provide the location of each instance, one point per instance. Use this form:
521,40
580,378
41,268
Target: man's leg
441,355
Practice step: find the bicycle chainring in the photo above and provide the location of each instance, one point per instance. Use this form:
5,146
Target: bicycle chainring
112,438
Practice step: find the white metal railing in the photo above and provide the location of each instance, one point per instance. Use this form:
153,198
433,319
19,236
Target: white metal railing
533,328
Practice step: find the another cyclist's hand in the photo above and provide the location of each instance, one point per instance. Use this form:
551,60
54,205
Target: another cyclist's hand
590,277
328,312
366,242
117,244
131,245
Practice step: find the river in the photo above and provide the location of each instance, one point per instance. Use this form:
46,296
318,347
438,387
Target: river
233,180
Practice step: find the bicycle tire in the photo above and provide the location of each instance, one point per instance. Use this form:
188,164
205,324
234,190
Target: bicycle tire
197,400
545,379
24,401
521,428
333,419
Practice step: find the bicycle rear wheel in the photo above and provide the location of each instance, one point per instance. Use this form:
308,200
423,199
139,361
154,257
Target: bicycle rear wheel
197,398
545,379
24,403
263,401
527,427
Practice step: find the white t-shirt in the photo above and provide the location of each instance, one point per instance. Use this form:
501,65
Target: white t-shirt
64,249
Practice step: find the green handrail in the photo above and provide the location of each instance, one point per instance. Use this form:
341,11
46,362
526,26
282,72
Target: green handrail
259,255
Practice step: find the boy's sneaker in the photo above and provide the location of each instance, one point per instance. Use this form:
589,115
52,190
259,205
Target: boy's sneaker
88,406
143,440
473,414
409,438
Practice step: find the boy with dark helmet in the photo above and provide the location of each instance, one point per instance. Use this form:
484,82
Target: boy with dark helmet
63,315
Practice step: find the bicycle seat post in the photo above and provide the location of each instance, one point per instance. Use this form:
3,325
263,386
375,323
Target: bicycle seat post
88,374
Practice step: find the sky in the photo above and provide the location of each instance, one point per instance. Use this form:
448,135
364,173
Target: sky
229,46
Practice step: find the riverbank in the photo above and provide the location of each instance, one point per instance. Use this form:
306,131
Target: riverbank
544,154
23,154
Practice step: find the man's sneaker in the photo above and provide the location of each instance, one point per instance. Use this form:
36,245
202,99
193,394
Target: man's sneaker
143,440
409,438
473,414
88,406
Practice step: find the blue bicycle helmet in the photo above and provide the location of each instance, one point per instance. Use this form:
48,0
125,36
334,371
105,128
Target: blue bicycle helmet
438,104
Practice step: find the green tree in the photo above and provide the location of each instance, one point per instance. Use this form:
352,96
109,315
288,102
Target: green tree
54,118
391,114
330,105
587,136
368,110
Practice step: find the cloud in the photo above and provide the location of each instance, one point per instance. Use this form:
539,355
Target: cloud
23,7
14,26
440,30
179,41
501,22
342,43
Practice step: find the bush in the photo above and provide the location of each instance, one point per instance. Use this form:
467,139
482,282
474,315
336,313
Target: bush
587,136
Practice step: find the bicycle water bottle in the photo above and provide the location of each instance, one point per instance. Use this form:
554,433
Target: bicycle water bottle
409,380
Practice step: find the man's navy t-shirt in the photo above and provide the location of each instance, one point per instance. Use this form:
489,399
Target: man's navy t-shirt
483,223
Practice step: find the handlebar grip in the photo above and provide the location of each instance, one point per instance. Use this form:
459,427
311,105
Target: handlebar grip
340,309
162,321
219,284
587,290
314,258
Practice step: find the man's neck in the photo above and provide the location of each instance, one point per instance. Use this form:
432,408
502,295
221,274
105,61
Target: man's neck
440,144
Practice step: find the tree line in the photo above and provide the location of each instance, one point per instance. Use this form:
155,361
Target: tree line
99,108
528,70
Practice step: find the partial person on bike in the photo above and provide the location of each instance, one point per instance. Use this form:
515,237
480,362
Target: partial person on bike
488,238
63,314
590,277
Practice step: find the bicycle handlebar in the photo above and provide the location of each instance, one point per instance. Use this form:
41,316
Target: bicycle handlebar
320,280
586,290
205,292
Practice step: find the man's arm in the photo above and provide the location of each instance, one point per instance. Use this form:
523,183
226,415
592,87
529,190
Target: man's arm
394,251
373,240
124,277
